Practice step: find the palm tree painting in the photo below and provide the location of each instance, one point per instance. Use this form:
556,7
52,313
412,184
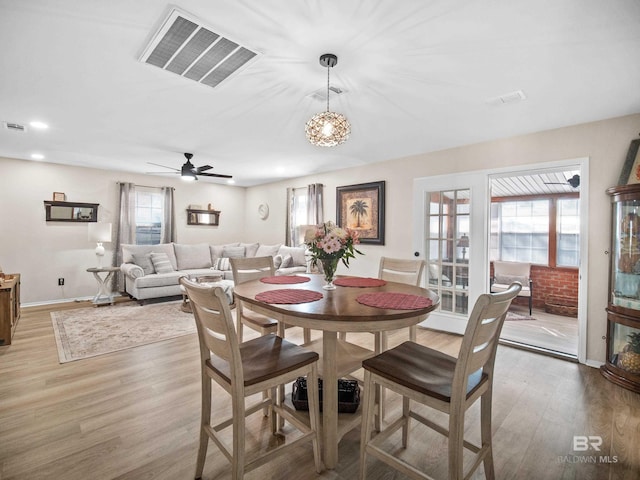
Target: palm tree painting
359,213
361,207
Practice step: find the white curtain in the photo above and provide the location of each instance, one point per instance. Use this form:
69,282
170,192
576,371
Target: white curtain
168,233
125,227
311,212
315,204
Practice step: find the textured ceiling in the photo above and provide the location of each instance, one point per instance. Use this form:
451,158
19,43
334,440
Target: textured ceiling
418,76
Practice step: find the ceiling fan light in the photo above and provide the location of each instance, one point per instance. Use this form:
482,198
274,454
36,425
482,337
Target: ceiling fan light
328,129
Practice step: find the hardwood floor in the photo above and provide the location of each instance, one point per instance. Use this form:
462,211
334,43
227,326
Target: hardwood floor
547,331
134,415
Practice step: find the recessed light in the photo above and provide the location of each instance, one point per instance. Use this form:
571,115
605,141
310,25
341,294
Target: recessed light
37,156
231,182
39,125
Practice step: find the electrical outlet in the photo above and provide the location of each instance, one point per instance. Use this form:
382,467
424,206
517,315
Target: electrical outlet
61,281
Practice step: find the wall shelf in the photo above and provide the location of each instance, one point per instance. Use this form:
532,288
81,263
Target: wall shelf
71,211
203,217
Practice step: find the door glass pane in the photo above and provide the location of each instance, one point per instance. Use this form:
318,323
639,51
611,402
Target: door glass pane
449,248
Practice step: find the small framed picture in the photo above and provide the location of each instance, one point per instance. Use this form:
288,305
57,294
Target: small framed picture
631,169
59,197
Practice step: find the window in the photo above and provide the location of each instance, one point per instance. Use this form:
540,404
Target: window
523,231
543,231
568,232
149,208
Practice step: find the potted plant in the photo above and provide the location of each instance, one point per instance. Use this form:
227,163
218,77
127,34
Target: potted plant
629,358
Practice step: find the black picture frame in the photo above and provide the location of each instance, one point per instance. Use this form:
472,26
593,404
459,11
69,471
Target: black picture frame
631,168
361,208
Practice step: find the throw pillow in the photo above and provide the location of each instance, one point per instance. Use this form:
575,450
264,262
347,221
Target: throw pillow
287,261
161,263
144,262
267,250
233,252
297,254
277,261
509,279
250,249
222,264
192,256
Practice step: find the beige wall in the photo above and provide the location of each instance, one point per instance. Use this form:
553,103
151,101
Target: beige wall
43,252
605,143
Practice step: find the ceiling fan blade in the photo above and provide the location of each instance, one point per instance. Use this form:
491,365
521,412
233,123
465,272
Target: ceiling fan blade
215,175
163,166
203,168
161,173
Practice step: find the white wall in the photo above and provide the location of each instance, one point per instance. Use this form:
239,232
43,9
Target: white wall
44,251
605,142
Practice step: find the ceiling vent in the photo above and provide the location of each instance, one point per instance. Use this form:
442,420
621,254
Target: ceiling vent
14,127
511,97
184,47
321,94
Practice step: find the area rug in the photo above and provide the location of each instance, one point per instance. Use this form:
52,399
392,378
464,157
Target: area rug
89,332
514,317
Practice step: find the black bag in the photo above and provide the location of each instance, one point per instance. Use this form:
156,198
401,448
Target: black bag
348,395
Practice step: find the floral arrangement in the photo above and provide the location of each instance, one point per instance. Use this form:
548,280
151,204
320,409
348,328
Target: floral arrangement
331,243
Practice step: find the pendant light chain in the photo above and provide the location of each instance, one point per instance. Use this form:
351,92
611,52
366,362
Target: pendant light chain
328,70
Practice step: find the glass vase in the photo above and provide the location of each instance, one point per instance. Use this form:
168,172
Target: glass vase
329,267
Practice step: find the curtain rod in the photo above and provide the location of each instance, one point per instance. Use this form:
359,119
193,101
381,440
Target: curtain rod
145,186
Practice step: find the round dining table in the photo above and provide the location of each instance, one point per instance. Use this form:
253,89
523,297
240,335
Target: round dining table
346,309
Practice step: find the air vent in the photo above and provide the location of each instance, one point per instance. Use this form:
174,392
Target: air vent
511,97
184,47
321,94
14,127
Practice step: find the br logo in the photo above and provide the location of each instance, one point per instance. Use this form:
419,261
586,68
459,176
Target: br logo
582,443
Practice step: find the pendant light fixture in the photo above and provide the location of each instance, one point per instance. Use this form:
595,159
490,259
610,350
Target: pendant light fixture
328,129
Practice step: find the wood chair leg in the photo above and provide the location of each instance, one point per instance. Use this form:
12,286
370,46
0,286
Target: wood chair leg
367,420
456,439
238,428
314,415
205,419
485,432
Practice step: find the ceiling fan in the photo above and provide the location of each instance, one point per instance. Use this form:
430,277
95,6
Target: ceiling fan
189,172
573,181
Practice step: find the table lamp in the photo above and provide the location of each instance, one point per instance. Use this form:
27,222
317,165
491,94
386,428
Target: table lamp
100,233
463,242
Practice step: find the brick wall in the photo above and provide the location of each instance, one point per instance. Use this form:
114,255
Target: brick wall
557,282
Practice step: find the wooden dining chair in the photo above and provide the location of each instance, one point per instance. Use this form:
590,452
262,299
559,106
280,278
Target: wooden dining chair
244,270
242,370
450,385
253,268
399,270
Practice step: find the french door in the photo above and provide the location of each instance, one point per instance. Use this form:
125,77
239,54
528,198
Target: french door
451,235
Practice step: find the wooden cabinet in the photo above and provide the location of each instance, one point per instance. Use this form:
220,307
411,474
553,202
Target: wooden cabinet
9,307
623,311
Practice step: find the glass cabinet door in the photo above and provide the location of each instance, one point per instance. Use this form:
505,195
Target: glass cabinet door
625,251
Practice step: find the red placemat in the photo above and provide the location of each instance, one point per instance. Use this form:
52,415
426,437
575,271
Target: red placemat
394,301
359,282
289,295
282,279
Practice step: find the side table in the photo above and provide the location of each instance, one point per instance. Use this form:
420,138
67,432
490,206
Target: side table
104,295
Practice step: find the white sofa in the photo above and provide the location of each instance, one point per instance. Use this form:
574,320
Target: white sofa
148,274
